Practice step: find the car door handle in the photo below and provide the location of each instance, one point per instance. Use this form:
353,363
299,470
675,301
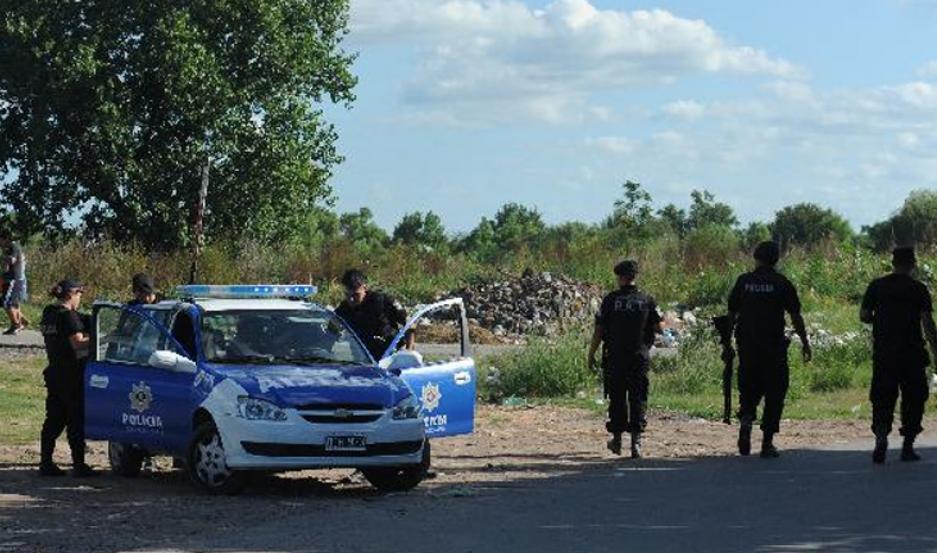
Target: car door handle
462,378
99,381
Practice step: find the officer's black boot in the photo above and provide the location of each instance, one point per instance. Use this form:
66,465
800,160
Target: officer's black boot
745,437
768,451
80,469
635,445
907,450
614,445
881,449
47,467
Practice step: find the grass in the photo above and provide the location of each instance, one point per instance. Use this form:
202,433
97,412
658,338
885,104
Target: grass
22,400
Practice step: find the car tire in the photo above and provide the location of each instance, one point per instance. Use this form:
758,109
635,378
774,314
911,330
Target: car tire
400,479
126,459
206,465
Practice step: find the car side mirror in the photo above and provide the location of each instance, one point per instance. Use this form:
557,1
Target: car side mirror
402,360
172,361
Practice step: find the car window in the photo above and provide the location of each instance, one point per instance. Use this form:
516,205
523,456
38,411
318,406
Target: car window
313,336
124,336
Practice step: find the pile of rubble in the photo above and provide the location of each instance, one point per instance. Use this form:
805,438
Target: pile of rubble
534,304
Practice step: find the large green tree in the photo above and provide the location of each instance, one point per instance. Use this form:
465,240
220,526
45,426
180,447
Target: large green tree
110,110
914,224
417,229
808,224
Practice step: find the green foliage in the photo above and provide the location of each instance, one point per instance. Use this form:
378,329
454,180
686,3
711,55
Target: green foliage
675,218
705,211
754,234
515,228
914,224
710,246
808,225
426,231
545,369
360,230
110,111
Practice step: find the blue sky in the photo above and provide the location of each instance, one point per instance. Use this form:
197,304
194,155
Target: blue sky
464,105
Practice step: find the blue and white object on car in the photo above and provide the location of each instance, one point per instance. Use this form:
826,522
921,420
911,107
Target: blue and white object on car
254,377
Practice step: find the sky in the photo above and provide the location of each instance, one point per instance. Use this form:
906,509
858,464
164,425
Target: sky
465,105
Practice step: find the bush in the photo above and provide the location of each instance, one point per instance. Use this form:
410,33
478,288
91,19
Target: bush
544,369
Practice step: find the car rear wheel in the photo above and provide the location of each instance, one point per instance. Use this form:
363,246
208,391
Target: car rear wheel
206,463
126,459
400,479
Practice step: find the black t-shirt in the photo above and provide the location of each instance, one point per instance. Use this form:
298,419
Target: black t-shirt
58,325
375,320
897,303
629,320
760,298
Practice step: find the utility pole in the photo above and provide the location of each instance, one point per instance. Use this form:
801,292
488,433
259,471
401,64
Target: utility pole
198,238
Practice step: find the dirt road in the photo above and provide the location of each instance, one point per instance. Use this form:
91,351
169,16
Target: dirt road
527,480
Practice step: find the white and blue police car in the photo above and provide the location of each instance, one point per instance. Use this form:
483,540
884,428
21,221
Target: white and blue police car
241,378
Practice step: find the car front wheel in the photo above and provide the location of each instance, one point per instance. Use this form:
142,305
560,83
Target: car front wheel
206,463
125,459
400,479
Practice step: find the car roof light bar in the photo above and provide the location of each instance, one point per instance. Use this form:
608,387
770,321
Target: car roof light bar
246,291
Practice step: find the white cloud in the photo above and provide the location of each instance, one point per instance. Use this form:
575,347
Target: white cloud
613,144
684,109
928,70
501,58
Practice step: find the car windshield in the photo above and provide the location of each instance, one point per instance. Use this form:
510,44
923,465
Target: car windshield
299,336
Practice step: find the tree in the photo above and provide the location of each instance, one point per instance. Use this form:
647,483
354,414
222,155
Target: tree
110,110
675,218
416,229
514,227
914,224
360,229
807,225
633,211
756,233
706,211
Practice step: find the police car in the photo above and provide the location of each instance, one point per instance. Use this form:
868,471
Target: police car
233,379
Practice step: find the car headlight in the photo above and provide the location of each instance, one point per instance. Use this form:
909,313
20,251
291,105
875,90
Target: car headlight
407,408
254,409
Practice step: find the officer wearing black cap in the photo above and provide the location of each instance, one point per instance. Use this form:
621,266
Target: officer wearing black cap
67,342
144,290
625,325
375,317
757,305
899,307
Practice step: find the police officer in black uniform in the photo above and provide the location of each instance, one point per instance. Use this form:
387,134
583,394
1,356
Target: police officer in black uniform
757,305
144,290
375,317
899,307
626,326
67,341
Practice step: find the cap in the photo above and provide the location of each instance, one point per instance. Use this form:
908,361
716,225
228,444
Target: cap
144,283
70,284
627,268
904,256
768,252
354,279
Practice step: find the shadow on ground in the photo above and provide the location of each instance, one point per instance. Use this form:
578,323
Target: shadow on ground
824,501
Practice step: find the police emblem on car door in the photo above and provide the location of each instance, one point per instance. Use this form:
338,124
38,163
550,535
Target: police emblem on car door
442,376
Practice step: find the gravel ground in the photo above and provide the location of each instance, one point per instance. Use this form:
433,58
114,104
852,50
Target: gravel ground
510,445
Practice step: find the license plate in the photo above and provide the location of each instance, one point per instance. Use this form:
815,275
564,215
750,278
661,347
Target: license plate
345,443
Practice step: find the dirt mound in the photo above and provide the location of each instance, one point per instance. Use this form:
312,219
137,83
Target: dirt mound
532,304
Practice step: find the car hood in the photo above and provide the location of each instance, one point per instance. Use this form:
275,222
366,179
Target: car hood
297,386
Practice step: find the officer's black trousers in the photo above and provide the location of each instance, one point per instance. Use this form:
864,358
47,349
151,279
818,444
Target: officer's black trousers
65,409
626,386
888,379
763,374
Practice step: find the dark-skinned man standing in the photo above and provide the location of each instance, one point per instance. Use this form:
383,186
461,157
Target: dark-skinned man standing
375,316
900,310
757,305
626,326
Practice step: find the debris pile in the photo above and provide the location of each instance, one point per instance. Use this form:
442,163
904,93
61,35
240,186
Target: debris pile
534,304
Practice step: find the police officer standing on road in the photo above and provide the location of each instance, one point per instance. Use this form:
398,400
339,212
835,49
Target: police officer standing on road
899,306
67,342
375,317
757,305
626,326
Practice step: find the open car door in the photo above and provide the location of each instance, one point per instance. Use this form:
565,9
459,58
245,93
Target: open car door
442,375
